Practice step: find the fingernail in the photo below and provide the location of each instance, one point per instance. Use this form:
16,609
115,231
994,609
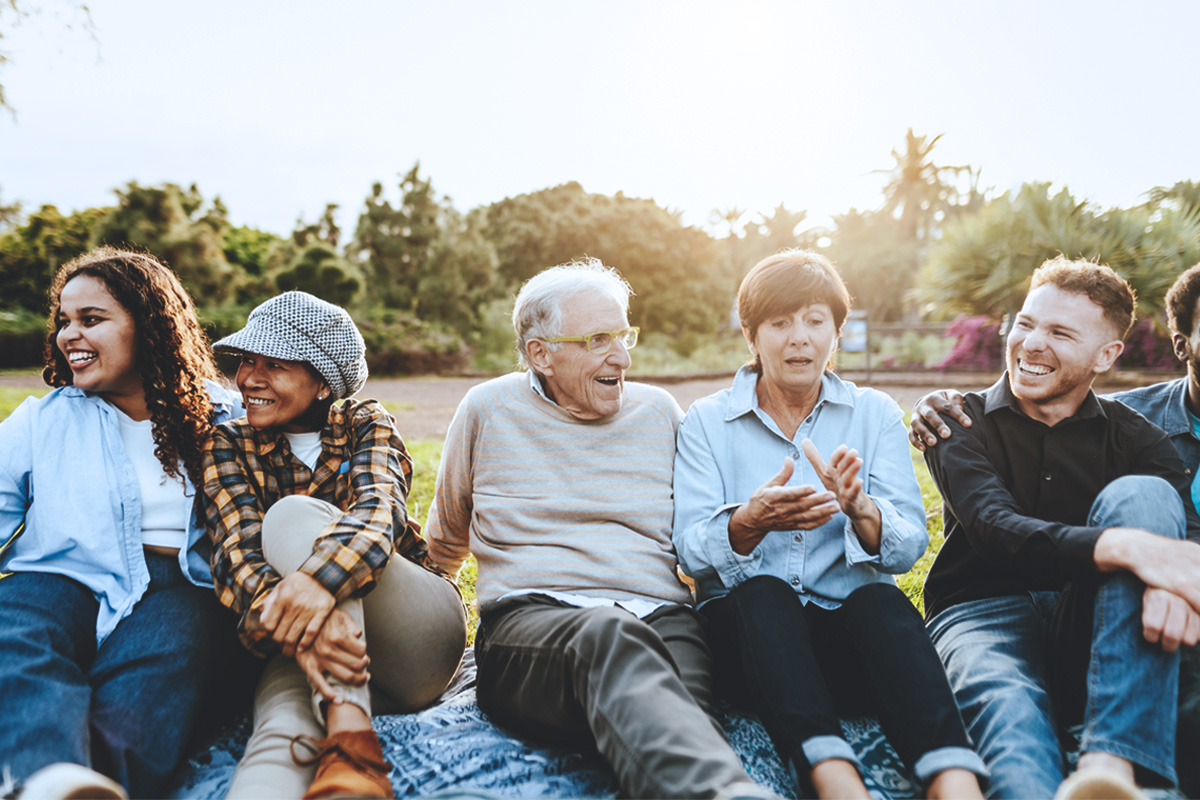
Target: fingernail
929,439
944,431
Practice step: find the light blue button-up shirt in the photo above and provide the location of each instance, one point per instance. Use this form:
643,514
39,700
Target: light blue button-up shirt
728,447
65,475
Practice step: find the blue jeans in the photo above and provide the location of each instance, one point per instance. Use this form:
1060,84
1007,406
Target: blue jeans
1023,667
125,709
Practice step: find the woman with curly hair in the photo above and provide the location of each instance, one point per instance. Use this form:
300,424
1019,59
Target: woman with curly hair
109,620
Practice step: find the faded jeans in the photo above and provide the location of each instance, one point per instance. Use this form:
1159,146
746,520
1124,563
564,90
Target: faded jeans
1024,667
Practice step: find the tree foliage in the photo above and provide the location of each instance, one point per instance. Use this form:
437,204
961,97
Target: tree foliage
173,224
31,253
678,272
877,260
983,262
424,257
393,243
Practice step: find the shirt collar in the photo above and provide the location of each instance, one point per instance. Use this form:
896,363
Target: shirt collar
334,436
999,395
743,396
1176,418
535,383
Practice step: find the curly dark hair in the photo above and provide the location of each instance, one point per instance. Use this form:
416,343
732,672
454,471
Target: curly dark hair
173,352
1181,301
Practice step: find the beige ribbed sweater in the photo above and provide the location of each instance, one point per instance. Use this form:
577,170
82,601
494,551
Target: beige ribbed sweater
546,502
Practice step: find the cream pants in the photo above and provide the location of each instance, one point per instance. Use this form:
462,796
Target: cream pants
415,627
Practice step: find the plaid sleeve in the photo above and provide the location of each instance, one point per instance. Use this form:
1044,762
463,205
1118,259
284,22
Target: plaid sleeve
349,555
234,513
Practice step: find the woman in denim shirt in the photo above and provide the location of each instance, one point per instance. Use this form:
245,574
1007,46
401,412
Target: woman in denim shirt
109,622
793,555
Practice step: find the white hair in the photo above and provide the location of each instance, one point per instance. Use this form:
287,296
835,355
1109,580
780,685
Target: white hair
537,312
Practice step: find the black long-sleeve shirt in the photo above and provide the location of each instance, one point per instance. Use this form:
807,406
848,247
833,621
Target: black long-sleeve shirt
1016,493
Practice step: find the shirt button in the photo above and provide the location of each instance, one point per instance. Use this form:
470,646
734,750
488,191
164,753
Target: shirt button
799,538
795,580
1045,476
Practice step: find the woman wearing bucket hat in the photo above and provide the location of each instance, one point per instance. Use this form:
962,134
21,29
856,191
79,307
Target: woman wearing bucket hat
305,500
109,631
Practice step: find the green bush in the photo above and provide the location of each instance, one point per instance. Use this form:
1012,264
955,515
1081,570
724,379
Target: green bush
21,336
400,344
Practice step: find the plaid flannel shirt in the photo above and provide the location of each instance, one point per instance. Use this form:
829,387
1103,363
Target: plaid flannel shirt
363,469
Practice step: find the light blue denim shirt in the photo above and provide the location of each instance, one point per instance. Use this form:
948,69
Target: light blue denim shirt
65,475
728,447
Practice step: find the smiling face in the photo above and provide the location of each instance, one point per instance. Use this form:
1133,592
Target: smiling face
278,393
1059,343
587,386
795,348
98,337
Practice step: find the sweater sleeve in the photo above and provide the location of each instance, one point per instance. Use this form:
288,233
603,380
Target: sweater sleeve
449,523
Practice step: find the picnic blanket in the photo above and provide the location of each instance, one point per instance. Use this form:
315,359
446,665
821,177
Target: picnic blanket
451,749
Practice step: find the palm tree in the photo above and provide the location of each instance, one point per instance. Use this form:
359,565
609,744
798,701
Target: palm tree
917,190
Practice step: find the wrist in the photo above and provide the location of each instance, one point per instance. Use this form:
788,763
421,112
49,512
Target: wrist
1114,548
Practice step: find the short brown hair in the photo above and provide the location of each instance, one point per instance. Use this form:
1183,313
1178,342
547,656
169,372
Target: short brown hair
1181,301
1102,286
787,282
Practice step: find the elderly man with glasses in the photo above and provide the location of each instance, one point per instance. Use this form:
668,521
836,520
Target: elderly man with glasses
559,481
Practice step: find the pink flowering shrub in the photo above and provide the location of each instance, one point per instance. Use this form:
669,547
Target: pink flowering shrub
1147,348
977,344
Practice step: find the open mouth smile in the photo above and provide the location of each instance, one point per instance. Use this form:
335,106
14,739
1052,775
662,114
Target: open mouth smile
79,358
1035,370
258,402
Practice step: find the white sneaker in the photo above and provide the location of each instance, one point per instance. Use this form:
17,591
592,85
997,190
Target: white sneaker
65,781
1095,784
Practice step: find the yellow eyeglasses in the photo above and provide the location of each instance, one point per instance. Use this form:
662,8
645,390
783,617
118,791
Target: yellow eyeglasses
601,342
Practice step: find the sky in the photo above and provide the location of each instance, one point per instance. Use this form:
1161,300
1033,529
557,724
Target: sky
282,107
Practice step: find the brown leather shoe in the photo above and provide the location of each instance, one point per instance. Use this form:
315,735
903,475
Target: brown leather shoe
349,764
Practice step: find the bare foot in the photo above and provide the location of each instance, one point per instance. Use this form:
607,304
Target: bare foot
1106,762
954,784
838,778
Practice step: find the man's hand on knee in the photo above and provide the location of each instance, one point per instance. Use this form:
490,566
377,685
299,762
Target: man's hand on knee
1168,620
1159,562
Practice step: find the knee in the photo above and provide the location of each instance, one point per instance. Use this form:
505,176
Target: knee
874,596
291,526
763,590
1141,501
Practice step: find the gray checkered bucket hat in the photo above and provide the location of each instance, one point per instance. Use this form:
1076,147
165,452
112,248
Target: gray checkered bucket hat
296,326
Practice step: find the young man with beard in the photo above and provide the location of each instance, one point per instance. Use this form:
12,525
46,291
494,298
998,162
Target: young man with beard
1174,406
1063,517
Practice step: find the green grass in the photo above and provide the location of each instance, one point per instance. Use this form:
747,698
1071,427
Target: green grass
13,396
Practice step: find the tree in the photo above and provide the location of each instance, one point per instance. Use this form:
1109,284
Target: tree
983,262
876,259
677,271
394,243
917,193
319,270
173,224
31,253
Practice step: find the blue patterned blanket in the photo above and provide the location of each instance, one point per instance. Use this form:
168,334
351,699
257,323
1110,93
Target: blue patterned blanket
452,749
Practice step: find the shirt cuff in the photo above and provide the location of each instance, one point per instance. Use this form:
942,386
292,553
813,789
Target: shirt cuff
732,568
